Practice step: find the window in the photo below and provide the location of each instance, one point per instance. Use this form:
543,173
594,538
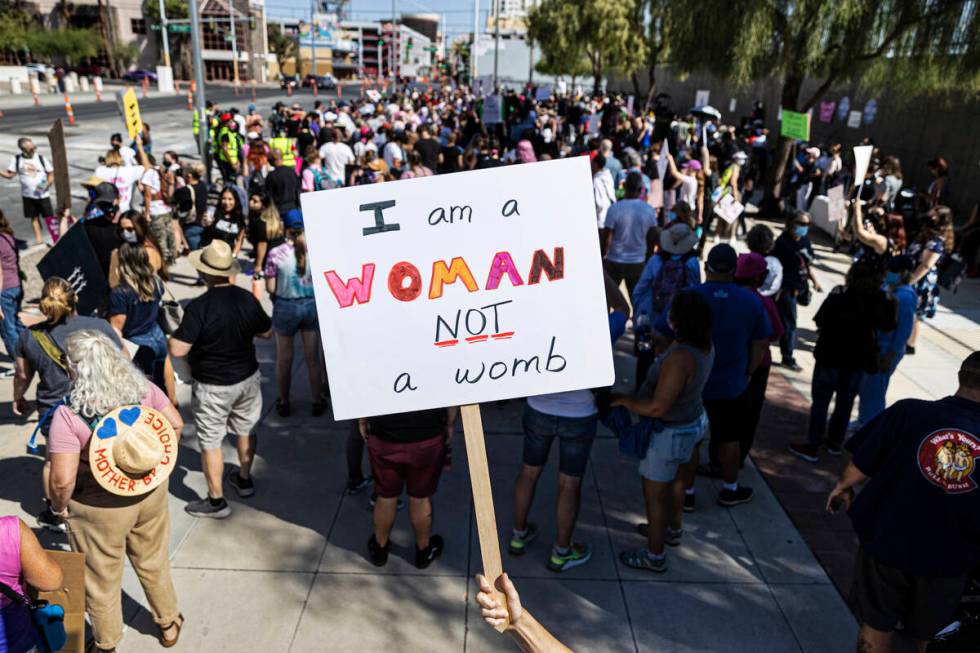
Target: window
137,25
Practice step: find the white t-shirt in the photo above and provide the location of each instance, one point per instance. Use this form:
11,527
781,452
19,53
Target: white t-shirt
360,147
123,178
335,156
573,403
32,174
128,155
240,119
346,123
688,190
151,180
392,152
605,195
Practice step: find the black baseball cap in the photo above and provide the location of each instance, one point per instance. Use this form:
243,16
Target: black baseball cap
722,259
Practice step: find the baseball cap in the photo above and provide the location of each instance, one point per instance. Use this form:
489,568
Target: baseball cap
750,266
722,259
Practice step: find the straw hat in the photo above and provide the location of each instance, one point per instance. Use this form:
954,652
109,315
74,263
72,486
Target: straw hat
215,259
132,451
92,182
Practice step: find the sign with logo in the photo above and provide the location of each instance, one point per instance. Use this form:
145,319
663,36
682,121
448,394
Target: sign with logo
131,113
947,458
459,289
794,125
73,259
827,111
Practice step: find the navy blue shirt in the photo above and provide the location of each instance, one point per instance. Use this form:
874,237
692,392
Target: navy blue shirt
920,512
141,316
737,318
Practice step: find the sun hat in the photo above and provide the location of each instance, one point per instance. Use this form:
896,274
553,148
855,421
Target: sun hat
215,259
750,266
92,182
679,239
132,451
722,259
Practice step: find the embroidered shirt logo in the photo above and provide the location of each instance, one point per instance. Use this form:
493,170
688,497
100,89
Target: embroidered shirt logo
947,458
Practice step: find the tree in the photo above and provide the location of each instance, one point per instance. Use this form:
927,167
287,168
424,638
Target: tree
281,45
915,45
602,32
653,16
72,44
16,27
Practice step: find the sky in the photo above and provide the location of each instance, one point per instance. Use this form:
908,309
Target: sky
458,13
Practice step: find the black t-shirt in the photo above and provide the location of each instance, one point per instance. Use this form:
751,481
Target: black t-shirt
409,427
450,159
428,149
788,251
104,237
220,325
920,512
847,323
282,184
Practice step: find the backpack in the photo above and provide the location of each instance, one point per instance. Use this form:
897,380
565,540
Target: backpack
952,269
190,215
671,277
256,182
321,181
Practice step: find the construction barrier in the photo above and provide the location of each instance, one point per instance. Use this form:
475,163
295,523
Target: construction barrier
97,86
289,89
68,110
146,85
190,95
35,91
340,89
313,84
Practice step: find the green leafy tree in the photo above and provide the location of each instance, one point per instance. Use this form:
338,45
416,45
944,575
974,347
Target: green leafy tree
915,46
281,45
653,17
16,27
602,32
72,44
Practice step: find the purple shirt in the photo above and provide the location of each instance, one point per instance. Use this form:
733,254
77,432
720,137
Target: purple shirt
8,259
16,629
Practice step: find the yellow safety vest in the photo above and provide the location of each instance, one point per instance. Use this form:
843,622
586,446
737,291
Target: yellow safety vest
232,155
284,145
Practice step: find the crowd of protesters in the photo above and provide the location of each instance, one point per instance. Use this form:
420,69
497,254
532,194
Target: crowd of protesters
704,317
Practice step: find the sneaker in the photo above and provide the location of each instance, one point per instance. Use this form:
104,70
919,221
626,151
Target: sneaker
805,451
52,522
355,487
909,350
400,505
730,498
8,374
518,544
244,486
689,502
425,557
791,364
205,509
378,554
640,559
283,408
578,554
671,536
833,449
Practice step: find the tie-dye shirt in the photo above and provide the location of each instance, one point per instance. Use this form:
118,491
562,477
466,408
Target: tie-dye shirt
281,264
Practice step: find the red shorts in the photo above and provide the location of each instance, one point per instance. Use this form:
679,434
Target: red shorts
416,465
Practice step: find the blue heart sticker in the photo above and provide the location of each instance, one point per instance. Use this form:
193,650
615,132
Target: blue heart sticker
107,430
128,416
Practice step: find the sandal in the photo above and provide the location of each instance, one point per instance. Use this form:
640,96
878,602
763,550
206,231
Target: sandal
91,647
639,559
169,643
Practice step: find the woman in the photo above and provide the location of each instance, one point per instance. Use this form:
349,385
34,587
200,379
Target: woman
415,167
934,241
891,170
229,222
123,177
450,155
880,235
108,527
671,397
312,177
11,293
23,562
290,284
134,229
760,241
265,229
938,192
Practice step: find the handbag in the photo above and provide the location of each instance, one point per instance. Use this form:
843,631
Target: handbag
804,296
634,439
48,619
171,312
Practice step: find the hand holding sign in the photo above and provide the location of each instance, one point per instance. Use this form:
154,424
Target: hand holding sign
131,113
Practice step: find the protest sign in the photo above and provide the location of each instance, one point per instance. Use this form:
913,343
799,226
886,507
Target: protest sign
794,125
732,104
827,111
843,107
870,111
837,209
662,161
131,113
59,159
71,597
854,119
542,93
728,208
492,110
862,158
702,97
73,259
460,289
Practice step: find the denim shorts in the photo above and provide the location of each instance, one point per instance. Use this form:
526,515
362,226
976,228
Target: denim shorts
575,437
292,315
671,448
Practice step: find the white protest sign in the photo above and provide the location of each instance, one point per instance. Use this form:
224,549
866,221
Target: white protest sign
854,119
728,208
459,289
701,97
732,104
492,110
862,159
837,210
662,161
629,104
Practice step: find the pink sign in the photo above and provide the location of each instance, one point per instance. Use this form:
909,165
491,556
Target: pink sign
827,111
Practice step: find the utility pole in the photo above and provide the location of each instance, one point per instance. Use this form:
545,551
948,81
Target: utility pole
496,41
313,35
234,43
476,28
202,132
163,31
393,53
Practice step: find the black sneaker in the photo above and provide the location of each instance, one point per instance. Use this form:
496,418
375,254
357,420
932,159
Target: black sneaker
791,364
206,509
355,487
425,557
244,486
730,498
376,553
689,502
283,408
52,522
833,449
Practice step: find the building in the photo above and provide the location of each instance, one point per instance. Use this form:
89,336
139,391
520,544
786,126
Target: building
512,15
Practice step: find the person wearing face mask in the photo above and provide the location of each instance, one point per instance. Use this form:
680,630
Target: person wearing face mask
132,228
794,252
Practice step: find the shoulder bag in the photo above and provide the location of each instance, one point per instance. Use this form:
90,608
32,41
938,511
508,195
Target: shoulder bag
171,312
48,619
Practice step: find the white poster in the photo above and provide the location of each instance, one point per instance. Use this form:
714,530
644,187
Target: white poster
854,119
732,104
728,208
701,98
837,209
662,161
492,110
629,104
459,289
862,159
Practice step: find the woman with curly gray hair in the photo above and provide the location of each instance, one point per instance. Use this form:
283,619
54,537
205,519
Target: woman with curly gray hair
126,515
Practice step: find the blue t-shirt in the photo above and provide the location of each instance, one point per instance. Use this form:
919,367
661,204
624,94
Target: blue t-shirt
643,292
737,318
141,317
894,341
630,220
920,512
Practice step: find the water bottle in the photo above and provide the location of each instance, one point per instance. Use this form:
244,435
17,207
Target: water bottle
643,333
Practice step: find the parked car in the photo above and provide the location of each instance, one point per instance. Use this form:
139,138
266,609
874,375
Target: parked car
138,76
43,71
322,81
91,70
284,80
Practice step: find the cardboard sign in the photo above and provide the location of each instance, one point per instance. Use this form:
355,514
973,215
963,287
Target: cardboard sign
493,110
71,597
795,125
73,259
728,208
843,107
131,113
854,119
59,160
837,209
459,289
862,159
827,111
702,97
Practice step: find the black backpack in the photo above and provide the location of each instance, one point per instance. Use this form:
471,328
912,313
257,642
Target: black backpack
952,270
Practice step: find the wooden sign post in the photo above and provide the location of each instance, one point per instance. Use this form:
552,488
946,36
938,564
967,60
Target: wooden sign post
59,159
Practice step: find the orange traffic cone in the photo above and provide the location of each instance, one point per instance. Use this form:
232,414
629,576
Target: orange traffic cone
68,110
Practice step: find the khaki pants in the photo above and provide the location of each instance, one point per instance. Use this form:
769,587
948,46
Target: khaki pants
162,229
107,529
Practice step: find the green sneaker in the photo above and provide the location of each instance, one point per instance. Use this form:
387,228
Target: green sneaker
518,545
578,554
